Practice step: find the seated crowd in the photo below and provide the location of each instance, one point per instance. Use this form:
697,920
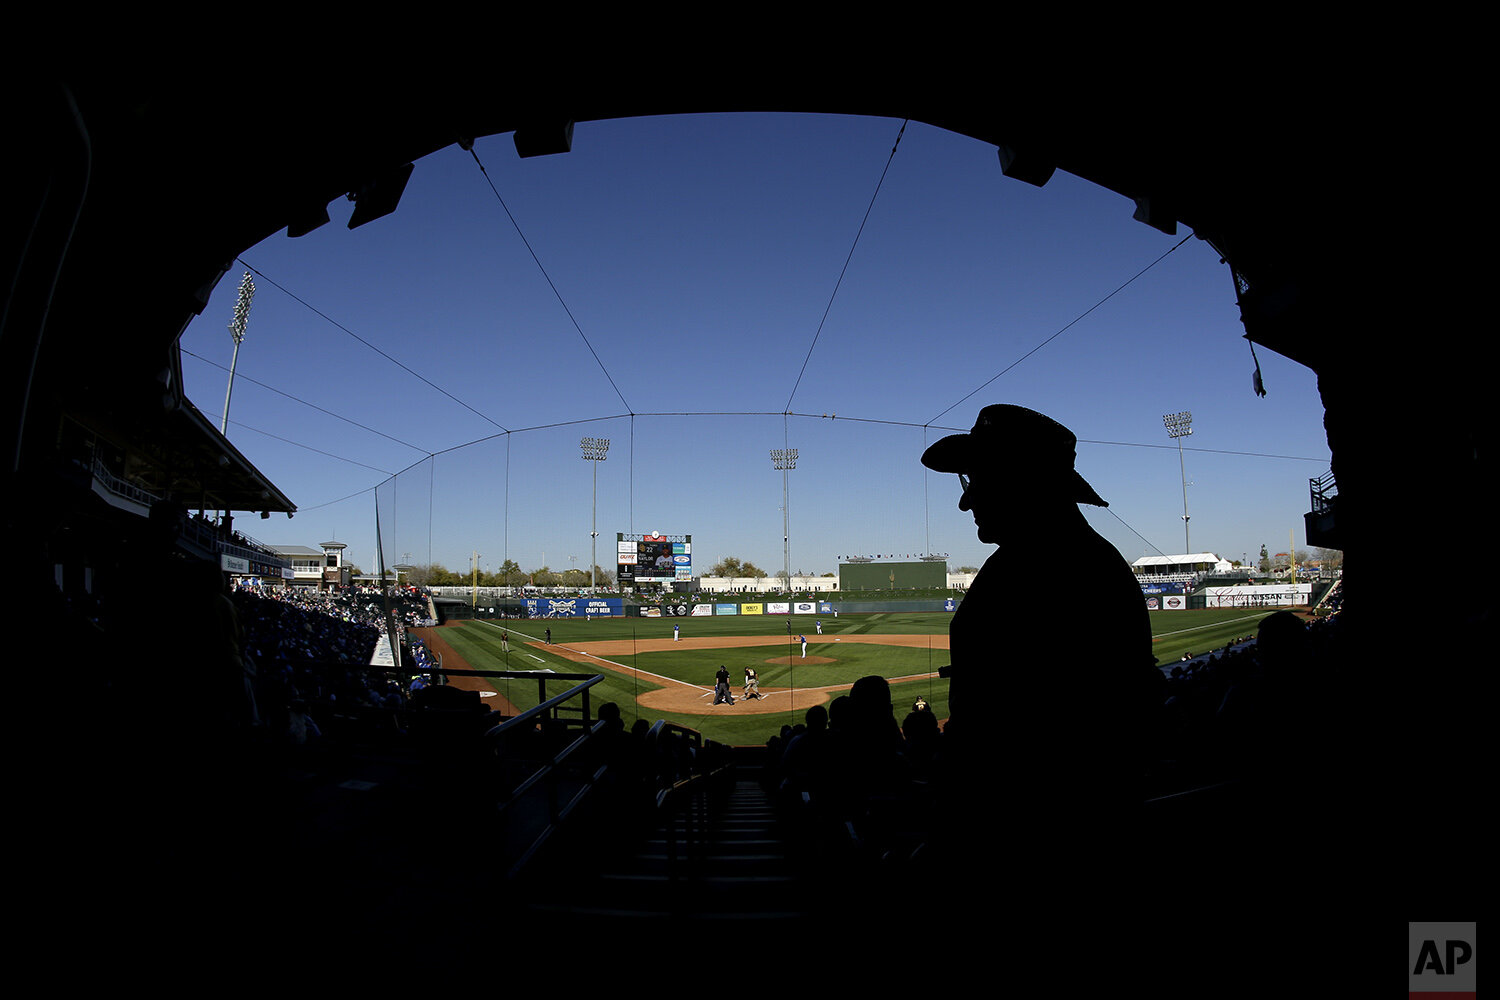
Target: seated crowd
851,777
857,771
309,655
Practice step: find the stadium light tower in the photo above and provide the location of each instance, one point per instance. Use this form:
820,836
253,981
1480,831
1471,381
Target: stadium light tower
785,459
237,331
1179,426
595,450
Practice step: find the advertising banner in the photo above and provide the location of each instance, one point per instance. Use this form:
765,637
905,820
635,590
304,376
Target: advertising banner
779,608
1258,595
825,608
726,609
573,607
750,609
650,612
702,610
1162,588
233,564
674,610
1153,603
804,608
1173,602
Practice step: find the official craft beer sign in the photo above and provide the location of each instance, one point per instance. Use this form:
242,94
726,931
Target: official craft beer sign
1442,961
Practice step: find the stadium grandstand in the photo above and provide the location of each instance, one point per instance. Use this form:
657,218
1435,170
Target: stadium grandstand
179,804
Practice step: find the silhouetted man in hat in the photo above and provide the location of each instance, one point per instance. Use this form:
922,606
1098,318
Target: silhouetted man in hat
1051,646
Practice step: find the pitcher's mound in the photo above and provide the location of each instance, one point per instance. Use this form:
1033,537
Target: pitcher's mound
792,661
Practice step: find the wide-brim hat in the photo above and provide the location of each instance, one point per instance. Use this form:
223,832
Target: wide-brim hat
1016,441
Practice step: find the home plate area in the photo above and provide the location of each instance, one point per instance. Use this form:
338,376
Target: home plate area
683,697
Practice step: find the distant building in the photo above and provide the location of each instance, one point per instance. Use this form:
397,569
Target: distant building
321,568
1185,567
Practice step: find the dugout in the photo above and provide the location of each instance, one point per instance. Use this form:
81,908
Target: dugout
905,575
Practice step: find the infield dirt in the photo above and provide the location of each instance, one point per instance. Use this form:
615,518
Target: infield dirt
682,697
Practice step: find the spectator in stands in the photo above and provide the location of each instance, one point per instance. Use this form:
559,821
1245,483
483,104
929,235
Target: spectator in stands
1063,736
922,737
811,764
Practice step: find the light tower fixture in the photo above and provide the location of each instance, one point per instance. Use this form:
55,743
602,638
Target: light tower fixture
237,331
595,450
1179,426
785,459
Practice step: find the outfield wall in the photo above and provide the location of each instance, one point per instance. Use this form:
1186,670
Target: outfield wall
817,608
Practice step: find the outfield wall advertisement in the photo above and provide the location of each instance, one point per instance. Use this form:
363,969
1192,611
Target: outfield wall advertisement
805,608
1258,595
574,607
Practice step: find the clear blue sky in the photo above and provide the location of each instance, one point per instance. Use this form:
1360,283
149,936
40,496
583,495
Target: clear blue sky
697,255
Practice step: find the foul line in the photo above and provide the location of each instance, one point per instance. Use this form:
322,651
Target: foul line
1199,628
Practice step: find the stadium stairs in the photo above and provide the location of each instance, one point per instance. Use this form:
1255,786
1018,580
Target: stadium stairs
714,853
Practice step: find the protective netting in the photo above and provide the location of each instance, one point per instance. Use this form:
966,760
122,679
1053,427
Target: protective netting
529,497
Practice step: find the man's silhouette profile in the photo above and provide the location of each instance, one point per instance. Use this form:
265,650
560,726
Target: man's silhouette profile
1051,647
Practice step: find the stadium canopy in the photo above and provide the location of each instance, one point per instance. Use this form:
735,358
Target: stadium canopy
1189,559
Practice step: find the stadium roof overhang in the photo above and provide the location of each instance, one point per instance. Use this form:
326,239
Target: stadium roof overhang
177,187
176,451
153,191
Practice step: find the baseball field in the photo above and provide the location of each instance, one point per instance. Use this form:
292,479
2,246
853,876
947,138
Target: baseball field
652,676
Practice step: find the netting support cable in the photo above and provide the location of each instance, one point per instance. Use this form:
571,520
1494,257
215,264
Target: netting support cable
847,258
416,375
242,377
1070,324
546,277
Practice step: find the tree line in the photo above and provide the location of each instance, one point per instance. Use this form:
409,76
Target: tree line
508,574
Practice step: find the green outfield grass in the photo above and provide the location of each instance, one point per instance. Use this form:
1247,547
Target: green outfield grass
1176,632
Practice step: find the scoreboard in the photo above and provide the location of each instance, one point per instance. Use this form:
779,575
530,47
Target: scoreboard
653,558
